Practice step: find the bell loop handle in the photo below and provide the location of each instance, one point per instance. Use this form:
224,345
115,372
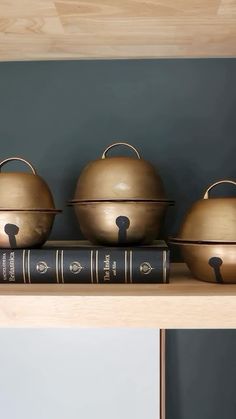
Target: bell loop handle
118,144
206,195
19,159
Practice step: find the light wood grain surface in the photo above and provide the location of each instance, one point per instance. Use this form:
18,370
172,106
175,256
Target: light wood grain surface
184,303
73,29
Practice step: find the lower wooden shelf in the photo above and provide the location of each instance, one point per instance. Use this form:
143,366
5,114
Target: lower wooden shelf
184,303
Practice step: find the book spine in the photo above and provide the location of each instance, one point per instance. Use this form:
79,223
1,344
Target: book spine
84,265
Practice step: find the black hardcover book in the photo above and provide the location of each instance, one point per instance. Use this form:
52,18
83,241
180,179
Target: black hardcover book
80,262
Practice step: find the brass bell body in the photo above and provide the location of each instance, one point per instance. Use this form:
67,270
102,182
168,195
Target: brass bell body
207,238
24,229
115,178
19,190
27,209
213,262
210,219
120,200
120,222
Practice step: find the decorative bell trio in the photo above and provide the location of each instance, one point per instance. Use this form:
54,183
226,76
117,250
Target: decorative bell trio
120,201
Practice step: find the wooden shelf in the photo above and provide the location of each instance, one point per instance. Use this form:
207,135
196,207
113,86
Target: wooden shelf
74,29
184,303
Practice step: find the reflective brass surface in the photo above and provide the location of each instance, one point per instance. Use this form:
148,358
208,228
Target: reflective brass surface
24,229
23,190
210,219
111,178
117,223
120,200
78,201
27,209
211,262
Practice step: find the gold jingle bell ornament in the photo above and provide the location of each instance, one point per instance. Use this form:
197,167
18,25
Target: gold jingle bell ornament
207,238
27,209
120,200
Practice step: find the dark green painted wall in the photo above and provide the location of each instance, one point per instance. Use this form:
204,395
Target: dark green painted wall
181,116
201,374
179,113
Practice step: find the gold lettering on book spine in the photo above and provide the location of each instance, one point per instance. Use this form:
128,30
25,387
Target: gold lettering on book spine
126,256
164,266
91,266
29,278
62,266
23,263
131,266
57,265
96,265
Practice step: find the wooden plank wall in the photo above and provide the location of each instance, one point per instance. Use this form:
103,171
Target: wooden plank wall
73,29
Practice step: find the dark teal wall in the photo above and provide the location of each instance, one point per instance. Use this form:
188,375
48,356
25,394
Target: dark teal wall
181,116
179,113
201,374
